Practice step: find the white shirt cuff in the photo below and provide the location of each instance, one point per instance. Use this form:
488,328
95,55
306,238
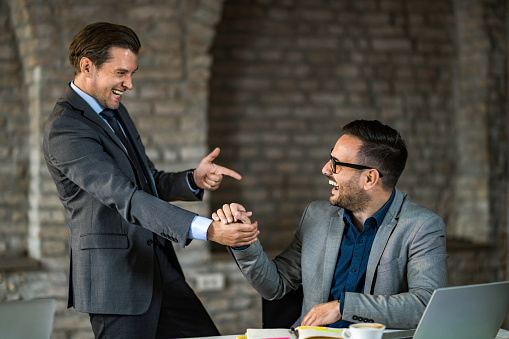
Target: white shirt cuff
199,228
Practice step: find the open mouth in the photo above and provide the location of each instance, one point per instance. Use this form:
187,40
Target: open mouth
336,186
117,93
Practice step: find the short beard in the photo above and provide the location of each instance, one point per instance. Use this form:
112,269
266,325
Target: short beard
351,197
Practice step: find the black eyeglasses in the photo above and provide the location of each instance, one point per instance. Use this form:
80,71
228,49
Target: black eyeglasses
334,163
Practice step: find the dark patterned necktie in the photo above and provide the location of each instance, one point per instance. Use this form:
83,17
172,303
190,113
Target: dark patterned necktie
111,117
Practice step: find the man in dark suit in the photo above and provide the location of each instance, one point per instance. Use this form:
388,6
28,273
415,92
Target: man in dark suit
124,271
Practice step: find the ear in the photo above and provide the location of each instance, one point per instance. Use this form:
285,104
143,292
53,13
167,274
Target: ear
371,178
86,66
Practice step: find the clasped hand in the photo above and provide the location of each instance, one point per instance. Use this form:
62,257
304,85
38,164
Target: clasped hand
232,226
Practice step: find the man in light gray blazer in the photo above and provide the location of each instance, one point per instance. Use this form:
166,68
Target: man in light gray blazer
369,254
124,271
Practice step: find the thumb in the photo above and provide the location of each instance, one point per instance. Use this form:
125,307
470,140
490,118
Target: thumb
212,155
243,217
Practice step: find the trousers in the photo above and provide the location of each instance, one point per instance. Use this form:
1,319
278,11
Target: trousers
174,312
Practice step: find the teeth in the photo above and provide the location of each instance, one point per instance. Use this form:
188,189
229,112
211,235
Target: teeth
117,92
333,183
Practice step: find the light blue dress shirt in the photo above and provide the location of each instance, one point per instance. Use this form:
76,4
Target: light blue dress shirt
199,225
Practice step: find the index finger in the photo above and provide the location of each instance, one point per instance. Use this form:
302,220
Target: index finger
228,172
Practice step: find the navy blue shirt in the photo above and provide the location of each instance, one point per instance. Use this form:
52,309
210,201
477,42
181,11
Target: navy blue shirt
350,273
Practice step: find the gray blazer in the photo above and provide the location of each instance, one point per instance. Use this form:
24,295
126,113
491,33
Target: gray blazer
407,262
111,221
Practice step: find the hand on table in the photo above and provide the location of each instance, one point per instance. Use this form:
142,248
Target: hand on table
322,314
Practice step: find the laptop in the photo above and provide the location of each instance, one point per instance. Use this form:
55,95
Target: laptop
462,312
27,319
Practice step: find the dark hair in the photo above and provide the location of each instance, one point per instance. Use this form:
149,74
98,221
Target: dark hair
382,148
95,40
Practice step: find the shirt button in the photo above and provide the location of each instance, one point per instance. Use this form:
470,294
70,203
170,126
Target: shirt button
354,270
361,241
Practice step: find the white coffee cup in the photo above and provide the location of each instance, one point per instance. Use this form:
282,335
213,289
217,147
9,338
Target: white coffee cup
365,331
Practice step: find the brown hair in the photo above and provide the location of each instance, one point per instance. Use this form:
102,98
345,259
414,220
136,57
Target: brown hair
95,40
382,148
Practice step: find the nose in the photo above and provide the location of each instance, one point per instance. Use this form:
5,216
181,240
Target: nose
326,169
128,83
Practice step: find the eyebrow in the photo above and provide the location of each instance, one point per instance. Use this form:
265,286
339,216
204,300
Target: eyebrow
125,70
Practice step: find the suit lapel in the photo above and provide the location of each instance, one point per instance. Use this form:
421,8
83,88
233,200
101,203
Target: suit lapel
92,115
132,135
79,104
381,238
333,242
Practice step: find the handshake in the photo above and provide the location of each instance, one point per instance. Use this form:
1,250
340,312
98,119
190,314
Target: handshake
231,226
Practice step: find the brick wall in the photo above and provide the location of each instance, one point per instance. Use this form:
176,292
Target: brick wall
288,75
478,250
168,104
13,144
271,83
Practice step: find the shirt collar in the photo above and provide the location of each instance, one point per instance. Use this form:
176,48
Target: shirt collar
377,218
92,102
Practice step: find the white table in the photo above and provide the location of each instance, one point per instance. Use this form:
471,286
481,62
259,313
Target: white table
502,334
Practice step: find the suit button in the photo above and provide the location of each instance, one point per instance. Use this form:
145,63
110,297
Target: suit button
149,242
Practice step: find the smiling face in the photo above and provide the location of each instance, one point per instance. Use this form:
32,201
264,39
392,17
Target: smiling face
108,83
347,191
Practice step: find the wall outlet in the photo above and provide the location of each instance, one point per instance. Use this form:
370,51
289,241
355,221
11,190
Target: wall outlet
207,282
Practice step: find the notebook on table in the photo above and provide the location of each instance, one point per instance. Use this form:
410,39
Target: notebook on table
462,312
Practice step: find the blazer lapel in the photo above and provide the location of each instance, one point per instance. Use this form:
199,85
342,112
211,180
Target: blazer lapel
381,238
333,242
92,115
132,134
81,105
